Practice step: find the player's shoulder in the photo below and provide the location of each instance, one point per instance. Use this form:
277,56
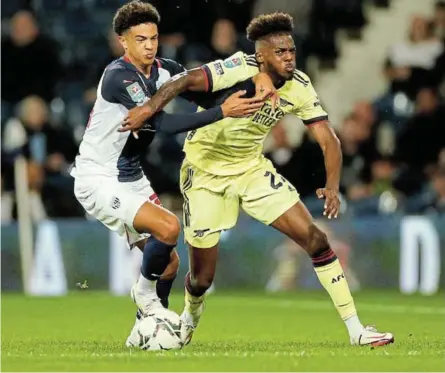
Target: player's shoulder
118,71
171,66
116,75
250,60
240,58
301,78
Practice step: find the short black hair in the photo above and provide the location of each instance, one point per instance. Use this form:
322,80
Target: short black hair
271,23
134,13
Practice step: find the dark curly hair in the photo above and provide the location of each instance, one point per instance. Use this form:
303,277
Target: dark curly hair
271,23
134,13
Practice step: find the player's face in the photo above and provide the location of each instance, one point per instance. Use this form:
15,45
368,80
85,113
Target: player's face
141,43
277,53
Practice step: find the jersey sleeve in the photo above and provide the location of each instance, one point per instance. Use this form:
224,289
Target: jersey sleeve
171,66
309,108
120,86
221,74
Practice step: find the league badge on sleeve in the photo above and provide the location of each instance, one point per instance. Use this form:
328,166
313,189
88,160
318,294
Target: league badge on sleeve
232,62
136,92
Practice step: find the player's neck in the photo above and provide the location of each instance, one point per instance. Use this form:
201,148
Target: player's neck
144,69
276,79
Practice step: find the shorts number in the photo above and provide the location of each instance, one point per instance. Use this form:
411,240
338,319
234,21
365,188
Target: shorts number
273,184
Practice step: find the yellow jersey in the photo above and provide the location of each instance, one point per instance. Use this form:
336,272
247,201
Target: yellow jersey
232,146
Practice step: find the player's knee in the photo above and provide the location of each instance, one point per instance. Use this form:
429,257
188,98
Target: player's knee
201,283
317,240
170,230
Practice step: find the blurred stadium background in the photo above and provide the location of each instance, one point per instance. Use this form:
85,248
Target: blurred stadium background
379,69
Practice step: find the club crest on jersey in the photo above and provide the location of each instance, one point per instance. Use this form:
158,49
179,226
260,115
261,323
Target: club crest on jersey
136,92
232,62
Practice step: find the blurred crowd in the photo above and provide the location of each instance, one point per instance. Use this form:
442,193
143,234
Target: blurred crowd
54,52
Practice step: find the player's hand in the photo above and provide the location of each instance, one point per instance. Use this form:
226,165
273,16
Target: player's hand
237,107
264,89
135,119
332,202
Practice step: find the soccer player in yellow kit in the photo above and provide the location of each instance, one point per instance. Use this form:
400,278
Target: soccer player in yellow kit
224,169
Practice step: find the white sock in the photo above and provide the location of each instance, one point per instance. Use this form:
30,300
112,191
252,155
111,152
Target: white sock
354,326
146,285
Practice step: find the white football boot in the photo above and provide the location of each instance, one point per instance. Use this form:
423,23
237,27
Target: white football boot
189,322
133,338
371,337
146,301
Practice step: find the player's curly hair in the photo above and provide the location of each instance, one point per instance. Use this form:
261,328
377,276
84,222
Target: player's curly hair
271,23
134,13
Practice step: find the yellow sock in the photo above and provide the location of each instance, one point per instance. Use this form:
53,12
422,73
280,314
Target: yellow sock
192,303
331,276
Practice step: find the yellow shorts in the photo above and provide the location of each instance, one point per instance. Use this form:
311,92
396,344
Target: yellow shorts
212,202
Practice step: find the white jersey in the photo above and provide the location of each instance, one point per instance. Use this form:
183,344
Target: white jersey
104,151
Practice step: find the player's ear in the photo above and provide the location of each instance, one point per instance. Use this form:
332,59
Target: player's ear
123,41
259,57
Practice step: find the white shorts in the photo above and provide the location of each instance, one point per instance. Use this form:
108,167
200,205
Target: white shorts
115,204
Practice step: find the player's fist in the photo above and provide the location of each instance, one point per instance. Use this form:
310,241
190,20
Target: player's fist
237,107
136,118
332,202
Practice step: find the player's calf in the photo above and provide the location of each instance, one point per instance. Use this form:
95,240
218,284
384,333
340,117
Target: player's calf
194,305
331,276
165,228
197,282
164,284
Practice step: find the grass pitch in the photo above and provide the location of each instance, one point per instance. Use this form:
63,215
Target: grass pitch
246,331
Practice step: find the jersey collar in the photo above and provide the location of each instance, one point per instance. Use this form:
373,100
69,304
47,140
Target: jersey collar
154,73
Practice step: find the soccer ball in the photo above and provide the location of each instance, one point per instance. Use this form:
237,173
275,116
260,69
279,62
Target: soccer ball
160,330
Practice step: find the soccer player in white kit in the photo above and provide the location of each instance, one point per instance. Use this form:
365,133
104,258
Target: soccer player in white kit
109,181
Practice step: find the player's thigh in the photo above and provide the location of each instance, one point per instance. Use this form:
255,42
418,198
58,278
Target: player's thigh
296,223
207,209
157,221
266,194
126,208
105,200
151,217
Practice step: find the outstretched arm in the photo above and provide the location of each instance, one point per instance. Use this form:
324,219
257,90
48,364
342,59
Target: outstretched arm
315,118
232,106
192,80
211,77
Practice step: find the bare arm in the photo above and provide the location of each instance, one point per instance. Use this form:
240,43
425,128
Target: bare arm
330,144
192,80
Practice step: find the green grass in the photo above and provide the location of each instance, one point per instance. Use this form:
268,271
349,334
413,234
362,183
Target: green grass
86,331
